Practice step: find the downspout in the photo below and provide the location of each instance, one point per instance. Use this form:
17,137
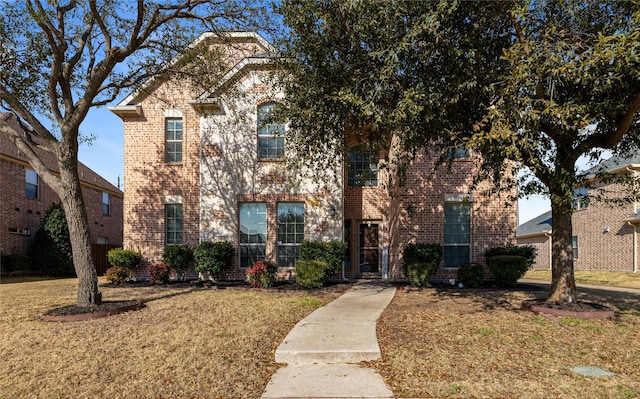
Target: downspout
344,277
635,247
548,235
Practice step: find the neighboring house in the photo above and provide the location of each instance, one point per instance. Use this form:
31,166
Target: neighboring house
25,198
605,237
202,165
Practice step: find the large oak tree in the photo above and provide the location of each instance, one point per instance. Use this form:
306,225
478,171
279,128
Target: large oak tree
58,59
539,83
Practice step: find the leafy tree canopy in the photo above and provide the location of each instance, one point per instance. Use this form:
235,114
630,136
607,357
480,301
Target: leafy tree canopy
539,83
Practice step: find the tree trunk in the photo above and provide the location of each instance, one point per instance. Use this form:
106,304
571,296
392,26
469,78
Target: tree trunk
76,215
563,285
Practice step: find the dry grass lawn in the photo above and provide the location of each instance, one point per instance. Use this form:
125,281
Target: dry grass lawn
617,279
450,343
184,344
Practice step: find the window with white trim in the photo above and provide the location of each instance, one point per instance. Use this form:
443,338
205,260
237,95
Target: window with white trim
574,246
270,134
106,204
173,221
32,181
363,167
457,233
580,198
253,232
173,140
290,229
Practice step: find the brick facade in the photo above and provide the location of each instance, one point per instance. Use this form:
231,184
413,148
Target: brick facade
20,215
607,236
220,170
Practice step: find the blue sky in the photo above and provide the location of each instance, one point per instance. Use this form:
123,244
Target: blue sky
105,155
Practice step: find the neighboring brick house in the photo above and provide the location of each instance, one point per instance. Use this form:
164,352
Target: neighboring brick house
605,237
25,198
202,166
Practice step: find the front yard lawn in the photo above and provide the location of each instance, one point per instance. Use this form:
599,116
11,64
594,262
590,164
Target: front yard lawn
184,344
451,343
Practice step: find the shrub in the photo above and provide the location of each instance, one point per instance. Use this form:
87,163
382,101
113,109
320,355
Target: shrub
50,248
159,273
178,258
213,257
421,252
311,273
330,252
526,251
262,274
13,262
117,274
420,274
471,275
507,269
124,257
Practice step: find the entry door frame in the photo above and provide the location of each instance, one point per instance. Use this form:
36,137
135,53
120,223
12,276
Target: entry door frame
369,233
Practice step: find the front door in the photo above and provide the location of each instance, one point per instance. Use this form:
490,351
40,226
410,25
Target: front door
369,248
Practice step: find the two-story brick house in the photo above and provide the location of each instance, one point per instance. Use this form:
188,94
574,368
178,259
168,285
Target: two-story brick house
203,165
605,236
25,198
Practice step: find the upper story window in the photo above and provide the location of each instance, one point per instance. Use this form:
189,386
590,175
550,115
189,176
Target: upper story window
580,198
106,204
459,153
363,167
31,183
173,140
270,134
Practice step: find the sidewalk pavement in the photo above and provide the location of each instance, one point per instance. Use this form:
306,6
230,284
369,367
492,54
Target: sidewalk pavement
323,350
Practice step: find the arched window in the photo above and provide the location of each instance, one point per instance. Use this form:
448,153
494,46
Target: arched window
363,167
270,134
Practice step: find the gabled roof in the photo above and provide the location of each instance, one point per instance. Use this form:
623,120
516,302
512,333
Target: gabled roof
615,164
130,105
535,227
10,152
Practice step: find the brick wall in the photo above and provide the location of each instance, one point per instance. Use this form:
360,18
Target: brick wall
18,211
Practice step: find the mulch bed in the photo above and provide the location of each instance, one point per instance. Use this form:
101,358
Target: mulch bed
580,309
80,313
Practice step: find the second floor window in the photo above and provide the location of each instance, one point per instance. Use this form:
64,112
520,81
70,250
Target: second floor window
270,134
363,167
173,140
31,183
106,204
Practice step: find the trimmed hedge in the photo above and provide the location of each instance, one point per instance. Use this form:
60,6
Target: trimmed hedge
507,269
330,252
471,275
420,274
311,273
213,257
262,274
421,252
178,258
124,257
526,251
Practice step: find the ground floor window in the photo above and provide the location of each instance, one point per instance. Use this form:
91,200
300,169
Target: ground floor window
290,227
173,221
574,246
253,233
457,233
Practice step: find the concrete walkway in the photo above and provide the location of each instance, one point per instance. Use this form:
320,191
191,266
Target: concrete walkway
323,349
